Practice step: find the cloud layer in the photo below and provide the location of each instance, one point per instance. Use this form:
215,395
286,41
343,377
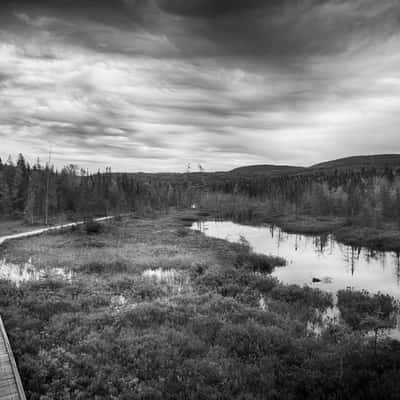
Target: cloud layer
153,85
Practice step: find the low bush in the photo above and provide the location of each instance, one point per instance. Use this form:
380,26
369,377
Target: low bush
359,309
148,290
100,267
92,227
305,296
259,262
182,232
236,334
188,220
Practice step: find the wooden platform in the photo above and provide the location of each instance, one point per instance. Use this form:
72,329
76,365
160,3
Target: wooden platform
10,381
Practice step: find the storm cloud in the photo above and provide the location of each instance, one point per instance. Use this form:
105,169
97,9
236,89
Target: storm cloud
153,85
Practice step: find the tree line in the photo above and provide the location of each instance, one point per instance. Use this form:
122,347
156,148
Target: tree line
368,196
40,192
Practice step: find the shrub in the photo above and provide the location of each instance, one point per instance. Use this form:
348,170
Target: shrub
363,311
207,327
147,290
188,220
92,227
182,232
99,267
305,296
264,283
197,269
123,283
250,340
9,293
259,262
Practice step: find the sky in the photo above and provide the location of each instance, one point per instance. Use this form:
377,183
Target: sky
152,85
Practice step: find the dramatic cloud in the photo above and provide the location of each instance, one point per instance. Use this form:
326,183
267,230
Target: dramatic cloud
153,85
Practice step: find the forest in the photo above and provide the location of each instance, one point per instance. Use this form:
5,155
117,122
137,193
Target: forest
367,198
38,193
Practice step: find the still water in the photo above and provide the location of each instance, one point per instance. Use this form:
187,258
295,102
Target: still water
320,258
20,273
317,261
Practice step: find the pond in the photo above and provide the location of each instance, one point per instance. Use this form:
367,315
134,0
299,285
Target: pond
332,265
317,261
24,272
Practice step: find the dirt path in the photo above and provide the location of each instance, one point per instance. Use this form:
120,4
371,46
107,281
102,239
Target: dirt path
48,229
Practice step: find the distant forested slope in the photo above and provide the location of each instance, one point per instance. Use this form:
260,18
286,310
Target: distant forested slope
267,169
379,161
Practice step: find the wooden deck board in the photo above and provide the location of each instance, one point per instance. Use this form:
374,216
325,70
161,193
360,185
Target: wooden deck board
10,381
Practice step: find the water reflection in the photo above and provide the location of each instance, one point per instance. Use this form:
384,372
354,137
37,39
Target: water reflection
332,315
19,273
319,261
175,280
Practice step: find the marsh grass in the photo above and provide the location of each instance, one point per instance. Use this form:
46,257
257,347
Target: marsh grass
9,227
92,227
359,307
19,225
259,262
117,332
188,220
182,232
99,267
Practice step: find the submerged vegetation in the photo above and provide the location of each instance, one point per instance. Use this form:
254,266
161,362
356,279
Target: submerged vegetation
121,330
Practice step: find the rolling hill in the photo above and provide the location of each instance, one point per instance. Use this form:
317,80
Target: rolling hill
378,161
267,170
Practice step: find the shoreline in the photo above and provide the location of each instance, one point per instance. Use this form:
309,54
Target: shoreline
386,239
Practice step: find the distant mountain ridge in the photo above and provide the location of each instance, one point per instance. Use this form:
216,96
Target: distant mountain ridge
378,161
267,169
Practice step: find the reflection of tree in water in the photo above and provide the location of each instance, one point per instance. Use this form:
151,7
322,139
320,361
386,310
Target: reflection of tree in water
272,230
19,273
376,256
397,265
339,261
201,226
321,243
280,238
351,257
